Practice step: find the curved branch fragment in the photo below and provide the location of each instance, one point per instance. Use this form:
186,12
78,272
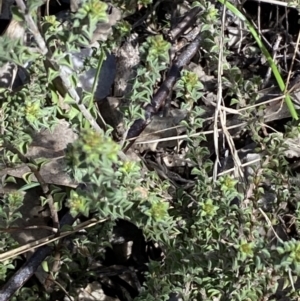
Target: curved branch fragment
185,23
162,93
29,268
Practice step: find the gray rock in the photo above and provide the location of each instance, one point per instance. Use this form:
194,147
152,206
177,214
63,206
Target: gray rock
175,297
86,78
105,80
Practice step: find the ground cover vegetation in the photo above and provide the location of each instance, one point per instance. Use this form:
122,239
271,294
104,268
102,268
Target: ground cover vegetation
149,150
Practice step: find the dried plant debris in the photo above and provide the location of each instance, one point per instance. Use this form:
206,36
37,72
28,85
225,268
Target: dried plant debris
162,127
34,216
16,30
50,146
128,57
93,291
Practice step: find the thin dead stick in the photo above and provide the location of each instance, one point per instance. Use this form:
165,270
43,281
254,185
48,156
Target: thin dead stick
270,224
22,229
30,267
292,64
238,111
185,23
225,172
234,153
274,52
189,136
275,2
62,288
47,240
221,114
218,113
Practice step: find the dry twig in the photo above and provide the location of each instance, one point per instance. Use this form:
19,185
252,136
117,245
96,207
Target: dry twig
30,267
163,91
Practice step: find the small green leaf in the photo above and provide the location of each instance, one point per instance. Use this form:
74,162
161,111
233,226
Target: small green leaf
29,186
17,14
27,177
45,266
10,179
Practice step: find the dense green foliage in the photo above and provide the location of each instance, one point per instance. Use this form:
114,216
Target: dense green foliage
216,245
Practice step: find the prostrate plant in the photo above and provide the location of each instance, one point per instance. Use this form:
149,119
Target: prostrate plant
36,105
154,59
114,189
9,213
214,242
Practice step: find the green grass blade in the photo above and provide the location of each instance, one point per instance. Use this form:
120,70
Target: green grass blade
266,53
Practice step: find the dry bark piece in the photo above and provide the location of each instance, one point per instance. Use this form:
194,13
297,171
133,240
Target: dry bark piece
187,21
93,291
127,59
159,128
